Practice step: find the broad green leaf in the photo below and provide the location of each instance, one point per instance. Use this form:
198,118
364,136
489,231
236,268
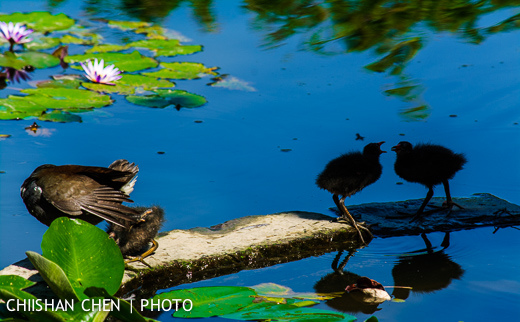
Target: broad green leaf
72,82
147,83
209,301
125,313
40,20
127,25
60,117
85,253
18,107
66,98
33,58
285,312
11,287
166,47
68,39
167,97
105,48
184,70
53,275
272,289
104,88
40,42
125,62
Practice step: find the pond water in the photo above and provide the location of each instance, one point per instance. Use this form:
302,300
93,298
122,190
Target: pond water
258,152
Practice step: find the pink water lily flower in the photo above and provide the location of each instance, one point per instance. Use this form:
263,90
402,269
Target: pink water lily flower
99,74
14,33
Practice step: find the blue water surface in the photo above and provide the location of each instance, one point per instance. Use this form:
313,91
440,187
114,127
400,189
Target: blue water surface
258,152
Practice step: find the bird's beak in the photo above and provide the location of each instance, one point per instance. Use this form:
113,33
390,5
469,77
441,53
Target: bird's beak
380,143
396,148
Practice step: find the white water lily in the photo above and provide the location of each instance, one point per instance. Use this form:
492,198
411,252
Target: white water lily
98,73
14,33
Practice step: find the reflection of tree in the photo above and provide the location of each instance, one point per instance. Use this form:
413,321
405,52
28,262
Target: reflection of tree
155,10
395,30
425,272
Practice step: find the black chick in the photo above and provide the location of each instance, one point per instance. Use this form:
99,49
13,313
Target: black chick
430,165
133,240
89,193
350,173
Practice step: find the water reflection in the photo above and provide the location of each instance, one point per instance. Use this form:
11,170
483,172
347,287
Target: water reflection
425,270
14,75
337,281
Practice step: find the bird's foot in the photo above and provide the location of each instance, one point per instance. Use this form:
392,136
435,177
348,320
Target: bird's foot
141,257
346,220
449,206
143,215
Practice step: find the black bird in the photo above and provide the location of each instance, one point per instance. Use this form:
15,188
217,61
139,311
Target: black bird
89,193
430,165
350,173
133,240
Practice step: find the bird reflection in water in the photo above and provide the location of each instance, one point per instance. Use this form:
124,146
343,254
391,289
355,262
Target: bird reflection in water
425,270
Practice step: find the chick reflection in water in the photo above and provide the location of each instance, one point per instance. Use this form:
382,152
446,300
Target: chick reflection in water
336,282
425,272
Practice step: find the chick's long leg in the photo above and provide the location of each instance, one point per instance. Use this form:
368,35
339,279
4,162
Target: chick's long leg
347,216
449,203
141,257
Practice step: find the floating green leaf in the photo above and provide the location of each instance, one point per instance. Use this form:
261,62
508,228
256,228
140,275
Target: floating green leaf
40,21
146,82
40,42
163,98
416,113
68,39
125,62
272,289
33,58
184,70
85,253
60,117
166,47
66,98
105,48
62,82
210,301
18,107
127,25
286,312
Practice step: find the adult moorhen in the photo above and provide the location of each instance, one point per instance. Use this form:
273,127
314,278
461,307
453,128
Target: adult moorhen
430,165
133,240
88,193
350,173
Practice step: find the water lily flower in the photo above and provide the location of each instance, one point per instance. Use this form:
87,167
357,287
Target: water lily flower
99,74
14,33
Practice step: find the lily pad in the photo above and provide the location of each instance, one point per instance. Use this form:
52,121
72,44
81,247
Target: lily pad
104,88
166,47
125,62
40,20
33,58
184,70
61,81
66,98
17,107
60,117
40,42
210,301
105,48
127,25
68,39
165,97
146,82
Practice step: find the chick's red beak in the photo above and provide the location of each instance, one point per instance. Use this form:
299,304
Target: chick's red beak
396,148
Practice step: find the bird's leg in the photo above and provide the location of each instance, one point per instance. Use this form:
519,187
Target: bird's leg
446,240
141,257
347,216
429,196
449,203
